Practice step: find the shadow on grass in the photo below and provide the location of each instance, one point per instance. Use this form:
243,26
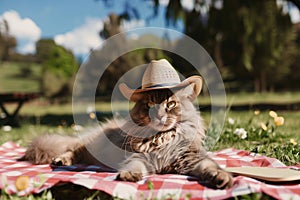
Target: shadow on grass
54,119
73,191
257,106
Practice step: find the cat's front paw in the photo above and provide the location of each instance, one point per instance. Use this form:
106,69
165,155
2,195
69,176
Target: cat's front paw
129,176
222,179
65,159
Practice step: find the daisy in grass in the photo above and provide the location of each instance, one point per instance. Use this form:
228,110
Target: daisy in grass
241,132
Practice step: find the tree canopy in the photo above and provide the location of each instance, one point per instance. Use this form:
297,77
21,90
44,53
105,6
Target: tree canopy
59,66
252,42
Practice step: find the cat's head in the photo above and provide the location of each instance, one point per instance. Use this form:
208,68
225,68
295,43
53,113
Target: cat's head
163,109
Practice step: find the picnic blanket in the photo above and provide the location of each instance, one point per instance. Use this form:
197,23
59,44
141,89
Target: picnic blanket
42,177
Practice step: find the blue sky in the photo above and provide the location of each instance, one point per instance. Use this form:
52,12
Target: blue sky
75,24
58,16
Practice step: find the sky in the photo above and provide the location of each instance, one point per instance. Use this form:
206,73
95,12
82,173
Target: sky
76,24
73,24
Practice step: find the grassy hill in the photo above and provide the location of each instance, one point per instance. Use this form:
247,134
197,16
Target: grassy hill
19,77
25,77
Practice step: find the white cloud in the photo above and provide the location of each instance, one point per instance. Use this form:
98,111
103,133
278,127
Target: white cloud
164,2
290,9
86,37
28,48
127,25
187,4
82,39
24,29
295,15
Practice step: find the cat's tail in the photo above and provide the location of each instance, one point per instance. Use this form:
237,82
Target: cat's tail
45,147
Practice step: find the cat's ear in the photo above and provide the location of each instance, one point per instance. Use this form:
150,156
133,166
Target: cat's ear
193,87
190,91
136,97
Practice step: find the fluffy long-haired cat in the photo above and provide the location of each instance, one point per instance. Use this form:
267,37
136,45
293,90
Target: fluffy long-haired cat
163,134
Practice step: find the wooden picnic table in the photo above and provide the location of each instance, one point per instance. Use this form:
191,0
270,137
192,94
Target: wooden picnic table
20,99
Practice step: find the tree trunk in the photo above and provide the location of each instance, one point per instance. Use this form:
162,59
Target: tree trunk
263,81
256,85
217,52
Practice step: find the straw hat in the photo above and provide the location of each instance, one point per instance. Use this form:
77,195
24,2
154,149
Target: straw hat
160,74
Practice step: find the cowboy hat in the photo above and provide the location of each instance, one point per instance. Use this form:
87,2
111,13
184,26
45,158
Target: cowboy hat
160,74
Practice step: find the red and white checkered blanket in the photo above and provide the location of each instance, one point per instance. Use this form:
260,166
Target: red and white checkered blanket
176,186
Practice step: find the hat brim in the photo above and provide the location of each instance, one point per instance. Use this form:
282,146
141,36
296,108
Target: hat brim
134,94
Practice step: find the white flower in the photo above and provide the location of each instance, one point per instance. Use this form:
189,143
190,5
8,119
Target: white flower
241,132
3,115
6,128
90,109
230,121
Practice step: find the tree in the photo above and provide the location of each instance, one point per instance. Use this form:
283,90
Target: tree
255,42
250,41
7,41
294,76
108,64
59,67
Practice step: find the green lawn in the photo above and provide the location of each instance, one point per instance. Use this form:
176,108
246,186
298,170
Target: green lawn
253,98
263,136
19,77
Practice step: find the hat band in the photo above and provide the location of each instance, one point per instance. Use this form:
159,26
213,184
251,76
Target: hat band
161,85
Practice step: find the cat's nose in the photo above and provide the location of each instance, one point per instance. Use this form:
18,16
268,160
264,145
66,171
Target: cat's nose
154,114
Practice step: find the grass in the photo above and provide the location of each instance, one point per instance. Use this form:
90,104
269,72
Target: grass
19,77
267,97
263,136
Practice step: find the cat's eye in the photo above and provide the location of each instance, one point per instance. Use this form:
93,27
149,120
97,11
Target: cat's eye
150,104
171,104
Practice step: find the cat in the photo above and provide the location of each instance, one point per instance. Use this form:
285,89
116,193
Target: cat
164,133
